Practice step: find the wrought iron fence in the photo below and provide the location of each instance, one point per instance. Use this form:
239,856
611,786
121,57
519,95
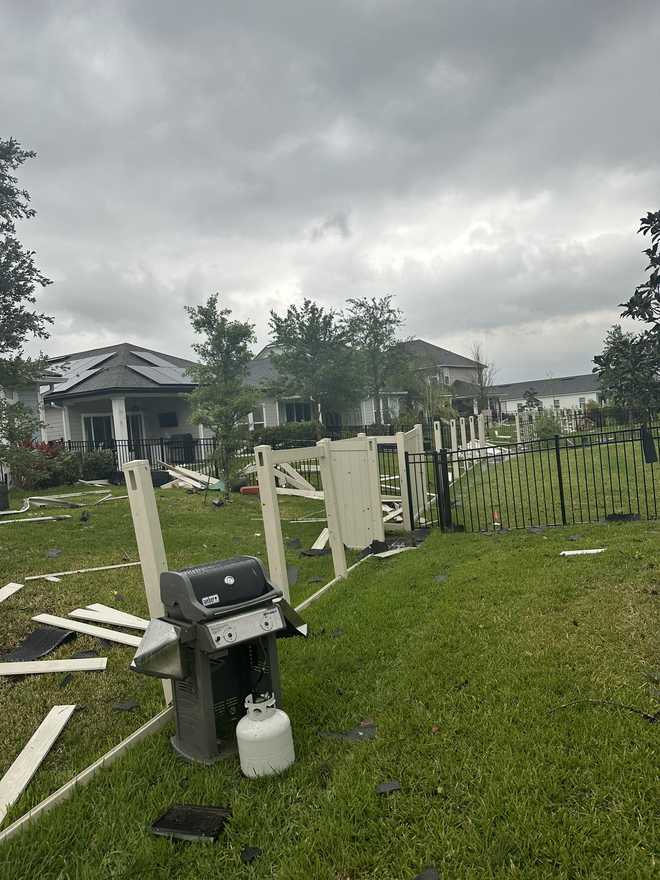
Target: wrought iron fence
566,480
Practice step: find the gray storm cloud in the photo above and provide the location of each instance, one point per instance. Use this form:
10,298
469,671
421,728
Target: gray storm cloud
488,163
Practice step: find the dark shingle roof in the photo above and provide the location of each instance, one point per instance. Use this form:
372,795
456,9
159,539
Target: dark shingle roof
115,373
546,387
436,356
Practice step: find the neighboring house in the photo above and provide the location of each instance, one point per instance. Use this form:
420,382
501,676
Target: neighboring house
31,399
121,392
566,392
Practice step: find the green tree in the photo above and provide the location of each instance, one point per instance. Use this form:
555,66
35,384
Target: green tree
531,399
19,276
222,399
314,360
644,304
18,424
628,370
371,327
484,375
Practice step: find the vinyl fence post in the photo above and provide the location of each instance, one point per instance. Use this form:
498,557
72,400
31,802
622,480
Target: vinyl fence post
454,435
149,537
332,508
481,422
518,437
408,509
473,433
404,482
270,511
560,477
437,436
463,432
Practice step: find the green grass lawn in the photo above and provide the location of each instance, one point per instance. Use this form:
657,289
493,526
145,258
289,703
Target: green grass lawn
460,678
524,490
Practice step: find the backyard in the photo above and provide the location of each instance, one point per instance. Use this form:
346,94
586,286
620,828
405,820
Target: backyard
474,656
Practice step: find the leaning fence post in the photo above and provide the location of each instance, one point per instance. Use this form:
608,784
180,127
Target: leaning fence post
562,501
404,482
463,432
149,537
270,511
332,508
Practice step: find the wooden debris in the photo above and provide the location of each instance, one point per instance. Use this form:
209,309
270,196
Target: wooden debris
36,667
98,631
58,574
16,779
9,590
98,613
582,552
322,540
387,553
34,519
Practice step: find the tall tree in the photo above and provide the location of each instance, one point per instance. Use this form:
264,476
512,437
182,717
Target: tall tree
19,276
371,327
222,399
484,374
531,399
313,359
628,370
644,304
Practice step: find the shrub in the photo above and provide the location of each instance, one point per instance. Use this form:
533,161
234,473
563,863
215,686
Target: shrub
546,425
290,433
99,464
40,466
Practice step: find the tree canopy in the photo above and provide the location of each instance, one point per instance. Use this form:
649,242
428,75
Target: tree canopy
313,358
19,276
644,304
371,328
628,370
222,399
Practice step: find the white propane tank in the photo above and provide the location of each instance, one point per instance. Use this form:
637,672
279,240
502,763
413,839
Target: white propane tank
265,741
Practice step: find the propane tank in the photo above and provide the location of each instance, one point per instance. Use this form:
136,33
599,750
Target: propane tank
265,741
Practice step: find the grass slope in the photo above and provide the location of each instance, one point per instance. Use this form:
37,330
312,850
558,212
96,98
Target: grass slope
459,678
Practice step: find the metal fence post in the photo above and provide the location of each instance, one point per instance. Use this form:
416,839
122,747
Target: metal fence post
411,509
562,501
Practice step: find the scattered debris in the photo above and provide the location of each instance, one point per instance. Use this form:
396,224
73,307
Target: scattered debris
441,578
363,731
462,684
388,787
82,655
322,540
218,502
9,590
98,613
126,706
34,519
26,764
574,537
314,580
582,552
292,574
294,544
387,553
337,633
435,728
36,667
39,643
536,530
249,854
84,516
53,553
325,551
98,631
652,719
622,517
191,822
59,574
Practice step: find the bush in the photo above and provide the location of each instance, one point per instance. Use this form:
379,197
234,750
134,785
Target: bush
40,466
99,464
290,433
546,425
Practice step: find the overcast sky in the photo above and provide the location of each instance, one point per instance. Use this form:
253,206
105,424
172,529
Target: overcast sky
487,162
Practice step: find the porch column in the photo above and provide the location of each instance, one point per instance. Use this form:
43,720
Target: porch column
42,417
120,430
66,423
200,431
475,406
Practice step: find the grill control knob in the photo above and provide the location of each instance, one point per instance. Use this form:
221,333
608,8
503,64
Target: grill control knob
266,624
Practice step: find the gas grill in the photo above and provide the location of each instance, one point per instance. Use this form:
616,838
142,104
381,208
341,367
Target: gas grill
217,642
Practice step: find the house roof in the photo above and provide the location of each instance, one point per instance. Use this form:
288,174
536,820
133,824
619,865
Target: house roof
261,368
548,387
123,367
460,389
436,356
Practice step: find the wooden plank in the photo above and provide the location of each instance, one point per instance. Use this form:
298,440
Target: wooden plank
308,601
375,491
176,470
26,764
37,667
149,537
582,552
332,509
152,726
9,590
387,553
109,616
88,629
405,489
270,511
393,514
34,519
281,456
59,574
296,478
23,509
322,540
301,493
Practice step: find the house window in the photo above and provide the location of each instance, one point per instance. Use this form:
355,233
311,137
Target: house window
98,430
258,420
446,378
168,420
520,407
583,402
298,411
555,403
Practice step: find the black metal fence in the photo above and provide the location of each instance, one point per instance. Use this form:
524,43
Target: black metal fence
566,480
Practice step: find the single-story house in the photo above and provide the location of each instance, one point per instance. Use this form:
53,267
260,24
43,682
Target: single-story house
566,392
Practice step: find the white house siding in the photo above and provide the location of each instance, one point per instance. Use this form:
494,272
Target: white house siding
271,415
54,422
566,401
